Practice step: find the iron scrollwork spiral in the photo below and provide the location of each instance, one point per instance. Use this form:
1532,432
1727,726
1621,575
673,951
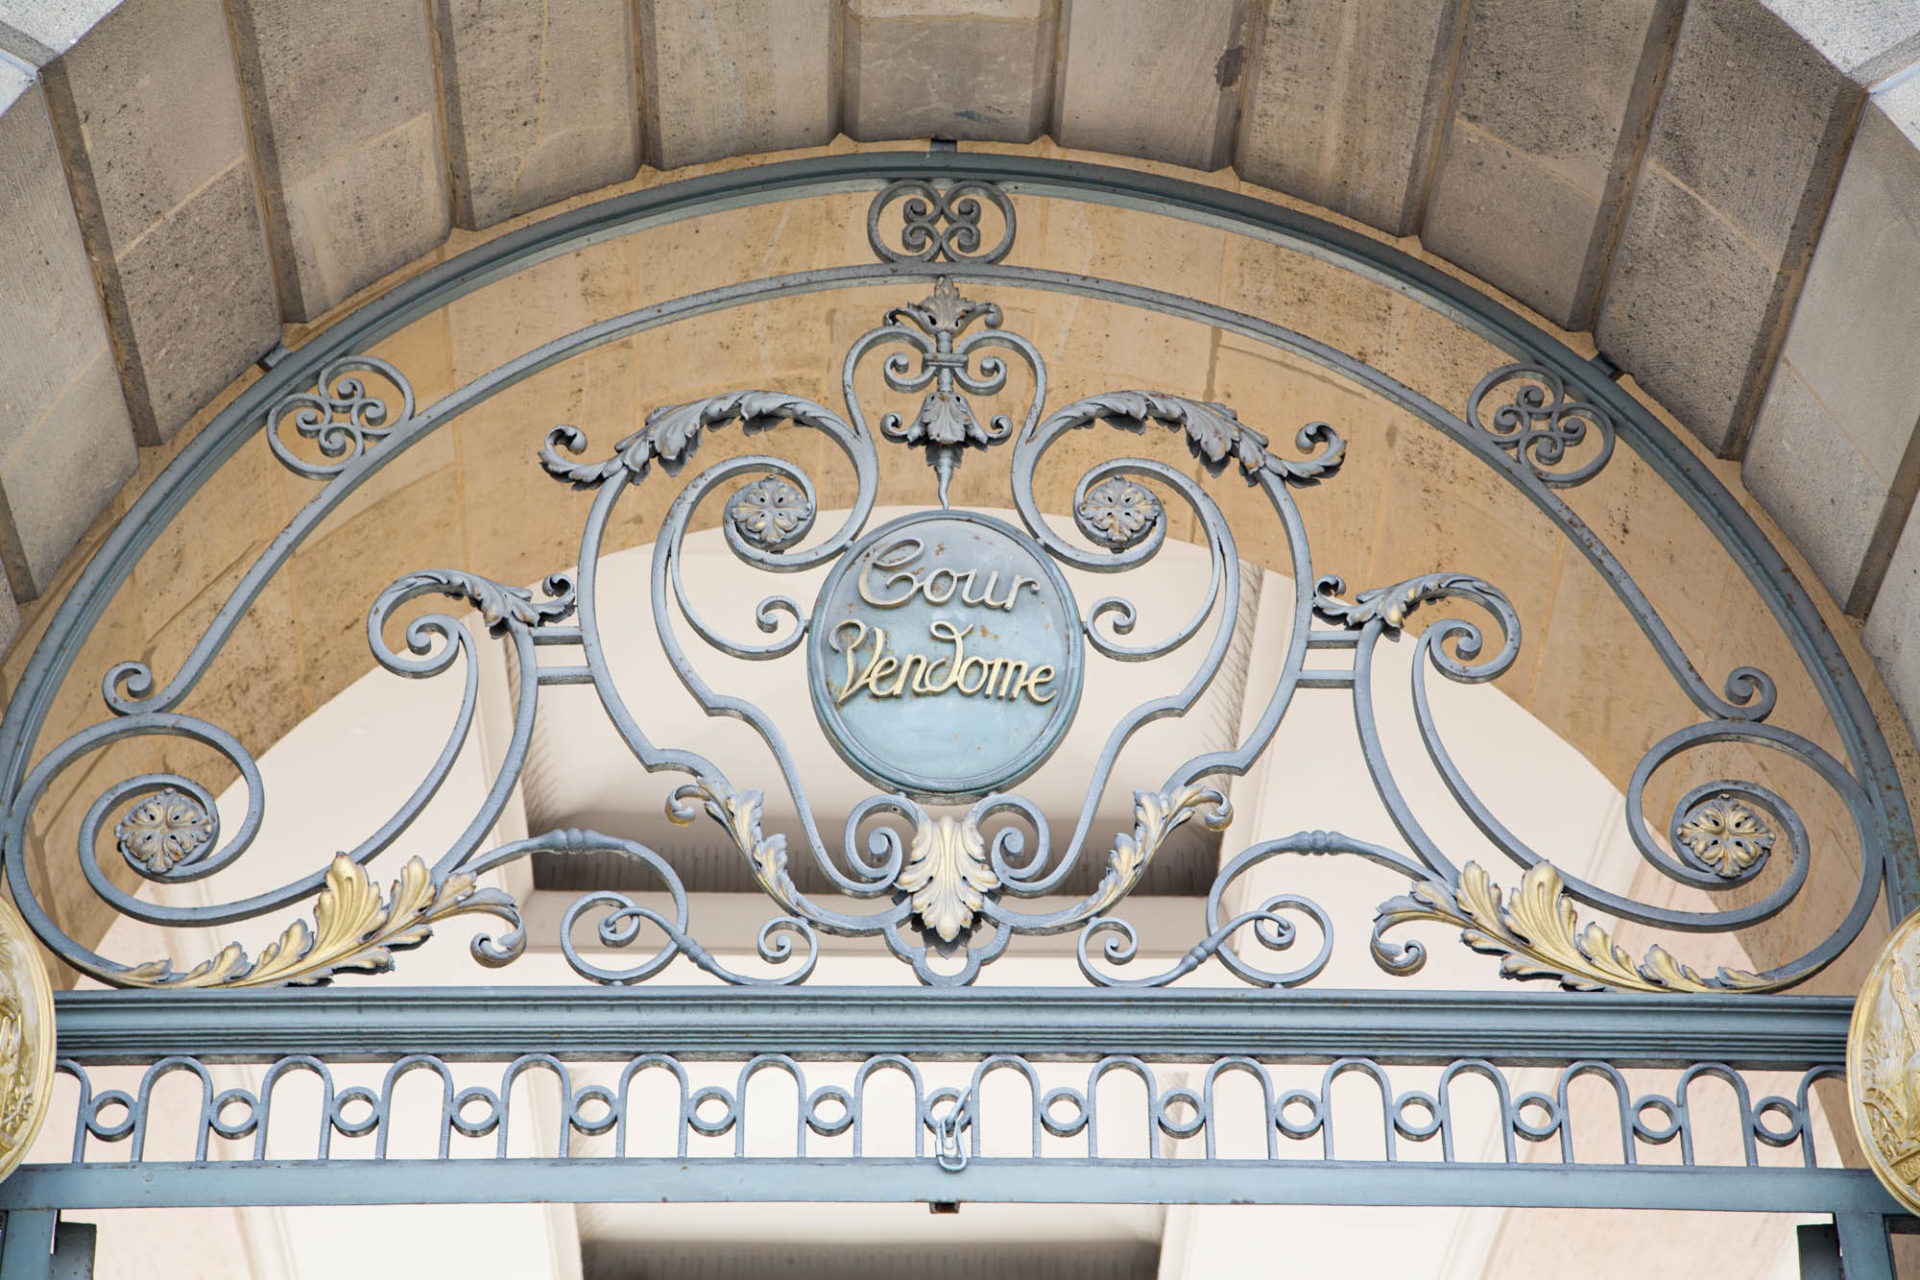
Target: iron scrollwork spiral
947,878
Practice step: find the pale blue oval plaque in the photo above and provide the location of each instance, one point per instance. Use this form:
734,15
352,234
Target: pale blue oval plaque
946,655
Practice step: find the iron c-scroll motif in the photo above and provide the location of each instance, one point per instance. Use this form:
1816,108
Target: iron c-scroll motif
949,862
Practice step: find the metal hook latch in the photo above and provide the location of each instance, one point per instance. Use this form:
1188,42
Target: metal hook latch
949,1151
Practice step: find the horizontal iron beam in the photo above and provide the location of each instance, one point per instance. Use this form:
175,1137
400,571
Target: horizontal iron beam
875,1180
347,1024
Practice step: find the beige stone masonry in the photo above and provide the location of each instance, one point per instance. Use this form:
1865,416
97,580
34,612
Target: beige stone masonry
539,103
66,441
346,130
731,77
978,69
148,117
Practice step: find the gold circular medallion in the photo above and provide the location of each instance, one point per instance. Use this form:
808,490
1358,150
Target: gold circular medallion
1883,1064
26,1039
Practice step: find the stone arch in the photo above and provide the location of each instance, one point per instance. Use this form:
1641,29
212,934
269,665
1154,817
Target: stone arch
1657,171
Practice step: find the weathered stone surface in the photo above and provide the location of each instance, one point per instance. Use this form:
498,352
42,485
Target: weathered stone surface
1826,495
1345,102
346,130
1527,191
1839,419
1683,307
1133,80
149,122
731,77
66,443
1868,39
64,473
540,102
1892,633
948,69
1751,129
37,31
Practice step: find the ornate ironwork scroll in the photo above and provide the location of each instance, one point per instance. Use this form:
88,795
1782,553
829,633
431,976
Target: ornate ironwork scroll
944,658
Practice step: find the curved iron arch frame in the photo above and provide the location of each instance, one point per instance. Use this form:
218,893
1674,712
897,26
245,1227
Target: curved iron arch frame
1886,831
436,287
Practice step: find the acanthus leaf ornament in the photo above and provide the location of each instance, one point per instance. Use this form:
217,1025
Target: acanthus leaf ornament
739,814
500,606
1536,929
672,433
946,876
1156,815
355,930
1214,433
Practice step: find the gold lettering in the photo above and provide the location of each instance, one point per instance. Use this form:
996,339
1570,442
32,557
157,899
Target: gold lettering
937,586
1036,680
898,556
907,664
1008,675
871,667
963,667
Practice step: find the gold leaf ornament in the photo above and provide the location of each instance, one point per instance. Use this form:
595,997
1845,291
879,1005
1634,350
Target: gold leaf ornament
355,929
947,877
1536,928
1156,814
739,813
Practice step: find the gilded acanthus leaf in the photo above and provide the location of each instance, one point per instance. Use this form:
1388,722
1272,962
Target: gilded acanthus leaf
1537,929
739,813
355,929
1155,816
947,877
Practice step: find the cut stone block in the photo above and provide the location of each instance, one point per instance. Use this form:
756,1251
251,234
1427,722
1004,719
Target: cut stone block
540,102
1805,469
1846,396
1752,128
1892,633
347,133
150,127
1530,186
980,69
1346,101
1130,79
66,442
732,77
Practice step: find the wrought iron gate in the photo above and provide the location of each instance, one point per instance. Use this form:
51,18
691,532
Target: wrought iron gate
944,658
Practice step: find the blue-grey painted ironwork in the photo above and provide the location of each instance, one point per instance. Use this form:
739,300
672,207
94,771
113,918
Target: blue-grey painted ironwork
945,577
946,890
1470,1115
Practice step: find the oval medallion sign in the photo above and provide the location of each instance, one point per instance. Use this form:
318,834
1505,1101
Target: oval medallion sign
946,655
1883,1064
